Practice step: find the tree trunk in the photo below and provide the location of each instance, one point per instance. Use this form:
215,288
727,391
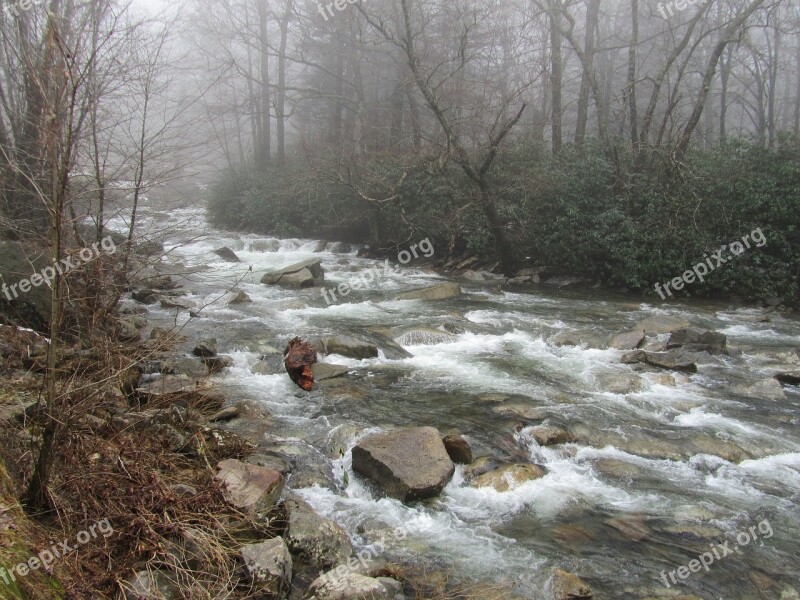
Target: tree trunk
592,16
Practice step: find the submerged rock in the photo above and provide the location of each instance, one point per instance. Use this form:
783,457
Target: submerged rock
766,389
303,274
509,476
629,340
227,254
408,463
443,291
661,324
568,586
695,339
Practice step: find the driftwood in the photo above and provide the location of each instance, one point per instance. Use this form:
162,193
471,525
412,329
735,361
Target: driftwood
298,358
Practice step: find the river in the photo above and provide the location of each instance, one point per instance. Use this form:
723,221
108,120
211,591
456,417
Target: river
645,489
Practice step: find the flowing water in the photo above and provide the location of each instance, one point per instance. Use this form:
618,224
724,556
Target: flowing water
644,490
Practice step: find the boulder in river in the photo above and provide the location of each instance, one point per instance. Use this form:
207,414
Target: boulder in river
658,324
766,389
674,360
458,449
509,476
408,463
442,291
483,277
205,348
351,347
578,338
568,586
788,377
548,435
627,340
227,254
323,371
238,297
307,273
695,339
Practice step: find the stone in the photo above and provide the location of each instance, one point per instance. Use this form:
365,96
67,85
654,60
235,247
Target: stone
547,435
482,277
216,364
163,385
458,449
299,357
568,586
150,585
788,377
408,463
442,291
227,254
631,358
226,414
345,584
351,347
317,540
521,280
239,297
127,330
323,371
619,382
146,296
578,338
562,281
628,340
303,274
509,476
177,303
658,324
695,339
205,348
674,360
269,567
249,488
766,389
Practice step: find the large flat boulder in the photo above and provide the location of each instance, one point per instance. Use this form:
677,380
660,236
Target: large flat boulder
674,360
662,324
628,340
249,488
408,463
307,273
695,339
351,347
442,291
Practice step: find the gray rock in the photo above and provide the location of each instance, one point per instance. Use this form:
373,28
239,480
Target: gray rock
177,303
319,541
674,360
249,488
205,348
695,339
443,291
127,330
345,584
458,449
631,358
766,389
628,340
349,346
482,277
238,297
146,296
566,281
408,463
227,254
323,371
578,338
521,280
547,435
788,377
303,274
662,324
269,567
163,385
226,414
150,585
216,364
